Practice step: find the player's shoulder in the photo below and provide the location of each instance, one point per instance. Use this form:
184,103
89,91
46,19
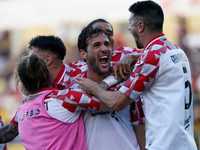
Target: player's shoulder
126,49
75,68
75,64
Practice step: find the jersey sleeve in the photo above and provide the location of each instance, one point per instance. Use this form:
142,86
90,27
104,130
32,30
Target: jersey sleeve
76,100
75,69
14,120
120,52
137,112
143,75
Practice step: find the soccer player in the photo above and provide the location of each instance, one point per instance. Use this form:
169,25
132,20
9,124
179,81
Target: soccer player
118,129
161,76
110,128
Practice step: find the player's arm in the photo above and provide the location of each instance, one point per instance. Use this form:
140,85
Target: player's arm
138,121
76,99
8,133
108,82
111,80
140,135
114,100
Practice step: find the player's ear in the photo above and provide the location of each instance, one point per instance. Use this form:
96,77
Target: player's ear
141,26
83,54
48,60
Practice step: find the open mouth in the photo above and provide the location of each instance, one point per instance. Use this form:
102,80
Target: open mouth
104,60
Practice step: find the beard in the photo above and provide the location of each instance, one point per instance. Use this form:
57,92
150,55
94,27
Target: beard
139,45
92,62
137,41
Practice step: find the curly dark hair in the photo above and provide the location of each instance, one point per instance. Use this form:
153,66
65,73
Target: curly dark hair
49,43
86,34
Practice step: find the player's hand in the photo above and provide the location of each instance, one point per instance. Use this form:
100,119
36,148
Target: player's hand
86,85
122,67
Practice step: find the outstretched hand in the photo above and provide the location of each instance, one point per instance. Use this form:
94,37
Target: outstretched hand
86,85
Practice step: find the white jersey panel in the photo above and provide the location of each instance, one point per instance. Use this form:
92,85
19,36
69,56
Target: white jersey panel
109,130
164,112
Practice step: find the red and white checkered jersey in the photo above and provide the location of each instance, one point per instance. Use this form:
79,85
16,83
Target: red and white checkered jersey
102,126
120,52
162,77
135,108
72,70
2,146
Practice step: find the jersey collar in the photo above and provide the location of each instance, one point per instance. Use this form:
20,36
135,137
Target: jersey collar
159,36
37,93
43,89
60,75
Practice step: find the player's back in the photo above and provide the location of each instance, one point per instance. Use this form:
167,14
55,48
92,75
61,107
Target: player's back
168,101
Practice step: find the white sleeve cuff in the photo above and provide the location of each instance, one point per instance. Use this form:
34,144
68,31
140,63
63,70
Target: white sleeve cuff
110,80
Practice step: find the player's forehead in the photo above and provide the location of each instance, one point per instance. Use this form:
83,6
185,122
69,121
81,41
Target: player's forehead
131,16
100,38
104,25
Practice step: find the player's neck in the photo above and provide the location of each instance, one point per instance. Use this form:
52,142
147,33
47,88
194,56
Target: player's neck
95,76
53,71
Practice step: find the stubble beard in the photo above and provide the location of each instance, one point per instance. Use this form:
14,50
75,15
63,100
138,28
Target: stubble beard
95,67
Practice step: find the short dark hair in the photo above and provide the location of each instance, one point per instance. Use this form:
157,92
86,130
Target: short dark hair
150,13
99,20
33,73
49,43
87,33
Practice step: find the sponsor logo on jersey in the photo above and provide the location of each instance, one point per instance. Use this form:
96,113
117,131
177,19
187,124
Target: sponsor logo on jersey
111,112
29,114
178,58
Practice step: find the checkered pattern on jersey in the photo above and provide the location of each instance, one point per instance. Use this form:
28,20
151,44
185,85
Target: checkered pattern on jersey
137,112
119,53
75,99
146,68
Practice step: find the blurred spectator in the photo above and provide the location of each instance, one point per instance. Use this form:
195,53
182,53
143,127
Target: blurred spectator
182,36
197,122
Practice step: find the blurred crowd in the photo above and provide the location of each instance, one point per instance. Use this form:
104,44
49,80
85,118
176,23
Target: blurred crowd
193,55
